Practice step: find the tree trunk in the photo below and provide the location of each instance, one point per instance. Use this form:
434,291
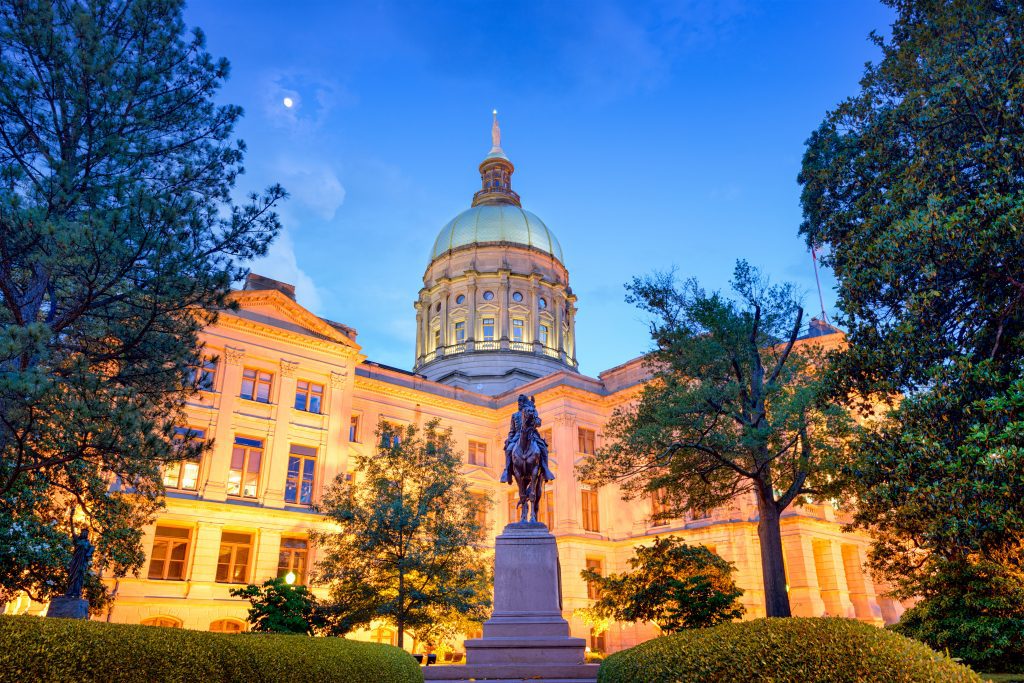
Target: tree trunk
400,617
776,597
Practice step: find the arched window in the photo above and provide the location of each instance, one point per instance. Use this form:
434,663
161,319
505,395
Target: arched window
383,635
166,622
227,626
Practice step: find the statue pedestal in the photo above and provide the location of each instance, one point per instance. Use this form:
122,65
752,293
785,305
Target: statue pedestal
68,608
526,637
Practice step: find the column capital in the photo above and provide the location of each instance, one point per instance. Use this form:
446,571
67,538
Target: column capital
288,367
233,356
338,378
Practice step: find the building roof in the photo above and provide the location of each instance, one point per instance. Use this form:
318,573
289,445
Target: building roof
496,223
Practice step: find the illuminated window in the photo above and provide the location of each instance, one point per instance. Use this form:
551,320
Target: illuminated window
204,374
488,325
233,560
166,622
227,626
659,506
309,396
353,429
597,641
597,566
590,518
546,513
301,465
184,474
460,332
244,476
542,335
383,635
586,441
517,329
437,339
292,558
170,553
482,505
477,454
391,435
256,385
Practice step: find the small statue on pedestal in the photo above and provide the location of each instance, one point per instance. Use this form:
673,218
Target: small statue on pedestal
72,605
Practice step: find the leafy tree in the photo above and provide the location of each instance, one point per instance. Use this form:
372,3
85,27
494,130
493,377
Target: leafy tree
674,585
407,546
734,408
278,607
120,240
915,186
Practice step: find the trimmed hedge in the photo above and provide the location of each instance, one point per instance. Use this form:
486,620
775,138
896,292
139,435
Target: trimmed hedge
797,650
44,649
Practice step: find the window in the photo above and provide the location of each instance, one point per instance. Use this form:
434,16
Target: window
483,503
170,553
488,324
391,435
597,566
383,635
460,299
517,296
292,558
184,474
227,626
542,303
204,374
309,396
298,487
545,515
256,385
166,622
597,641
477,454
659,506
437,339
353,429
460,332
244,476
542,335
488,295
517,329
590,518
586,440
233,560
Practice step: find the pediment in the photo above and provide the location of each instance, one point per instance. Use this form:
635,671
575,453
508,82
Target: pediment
274,309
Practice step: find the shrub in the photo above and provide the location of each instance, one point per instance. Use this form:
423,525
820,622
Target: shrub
42,649
784,650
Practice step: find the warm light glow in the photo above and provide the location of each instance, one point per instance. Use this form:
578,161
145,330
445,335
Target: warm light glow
289,578
289,102
495,112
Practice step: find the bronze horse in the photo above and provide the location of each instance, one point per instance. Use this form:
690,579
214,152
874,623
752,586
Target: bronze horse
526,465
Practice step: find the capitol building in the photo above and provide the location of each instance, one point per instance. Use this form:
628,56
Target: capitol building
289,398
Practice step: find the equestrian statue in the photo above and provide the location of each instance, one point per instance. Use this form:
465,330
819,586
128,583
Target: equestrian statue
526,458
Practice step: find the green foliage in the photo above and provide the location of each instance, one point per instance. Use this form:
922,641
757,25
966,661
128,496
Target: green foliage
51,650
120,239
674,585
792,650
914,184
407,549
734,408
280,608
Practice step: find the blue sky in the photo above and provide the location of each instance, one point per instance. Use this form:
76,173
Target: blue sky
646,136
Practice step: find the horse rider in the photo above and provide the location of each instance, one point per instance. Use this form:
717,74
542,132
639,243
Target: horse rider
514,428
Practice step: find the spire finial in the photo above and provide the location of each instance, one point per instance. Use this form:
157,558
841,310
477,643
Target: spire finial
495,131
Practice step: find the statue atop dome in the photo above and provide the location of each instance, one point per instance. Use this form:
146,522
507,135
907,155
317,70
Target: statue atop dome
495,133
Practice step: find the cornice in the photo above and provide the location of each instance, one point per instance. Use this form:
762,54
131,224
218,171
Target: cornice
231,322
424,397
295,312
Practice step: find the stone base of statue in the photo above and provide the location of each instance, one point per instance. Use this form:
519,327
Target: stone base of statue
68,608
526,637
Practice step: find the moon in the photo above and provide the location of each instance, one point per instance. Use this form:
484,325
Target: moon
288,102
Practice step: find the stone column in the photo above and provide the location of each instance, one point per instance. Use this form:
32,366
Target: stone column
444,316
534,316
828,560
801,575
266,554
570,349
219,459
862,590
567,489
419,331
206,537
275,453
471,322
503,303
558,302
332,460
